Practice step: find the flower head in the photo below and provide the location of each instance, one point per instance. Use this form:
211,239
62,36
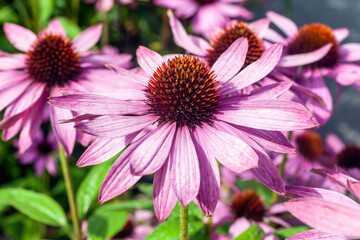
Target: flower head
207,14
51,61
183,120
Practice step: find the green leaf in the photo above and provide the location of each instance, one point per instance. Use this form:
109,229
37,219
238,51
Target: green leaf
18,226
71,29
89,188
146,188
131,204
46,8
105,224
36,206
288,232
193,210
254,232
170,230
7,14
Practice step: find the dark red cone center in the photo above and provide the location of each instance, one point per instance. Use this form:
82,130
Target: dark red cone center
309,145
349,157
248,204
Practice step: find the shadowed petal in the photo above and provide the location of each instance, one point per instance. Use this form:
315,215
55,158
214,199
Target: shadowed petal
20,37
326,215
350,52
151,154
304,58
185,172
335,176
231,61
88,38
163,195
316,235
97,104
113,126
278,115
260,26
182,39
148,60
255,71
354,188
334,143
12,92
130,76
285,24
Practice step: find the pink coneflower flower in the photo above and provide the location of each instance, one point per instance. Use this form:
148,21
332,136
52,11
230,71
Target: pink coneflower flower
41,154
207,14
106,5
330,213
317,49
190,122
311,152
51,61
245,208
220,41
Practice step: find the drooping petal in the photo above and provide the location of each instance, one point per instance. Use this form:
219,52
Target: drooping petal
130,76
230,151
148,60
278,115
350,52
354,188
285,24
88,38
55,27
163,195
317,235
151,154
325,215
182,39
341,34
20,37
185,172
209,190
10,93
231,61
335,176
260,26
302,59
100,150
97,104
255,71
114,126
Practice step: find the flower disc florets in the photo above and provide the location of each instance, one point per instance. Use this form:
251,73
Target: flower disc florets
52,60
309,145
312,37
349,157
183,90
202,2
228,36
248,204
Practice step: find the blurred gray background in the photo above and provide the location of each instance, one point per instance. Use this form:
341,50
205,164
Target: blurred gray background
345,121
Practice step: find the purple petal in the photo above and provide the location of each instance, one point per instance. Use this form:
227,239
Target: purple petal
255,71
230,151
350,52
270,91
100,150
302,59
97,104
231,61
51,165
12,125
334,143
119,178
11,62
148,60
316,235
20,37
335,176
130,76
260,26
354,188
114,126
115,59
278,115
185,172
325,215
10,93
209,177
341,34
151,154
88,38
273,36
182,39
55,27
163,195
285,24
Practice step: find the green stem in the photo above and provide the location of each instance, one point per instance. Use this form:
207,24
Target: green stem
70,192
75,4
284,160
105,33
208,228
34,4
184,222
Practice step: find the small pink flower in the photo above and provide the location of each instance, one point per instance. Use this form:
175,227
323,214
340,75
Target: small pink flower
317,49
106,5
41,154
51,61
207,14
183,120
